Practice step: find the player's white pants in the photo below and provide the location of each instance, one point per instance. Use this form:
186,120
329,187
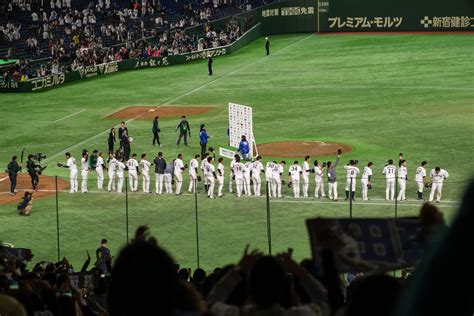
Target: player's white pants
100,178
305,185
239,183
146,181
111,186
332,190
119,182
210,190
192,184
348,184
365,189
390,189
220,181
403,184
73,180
179,181
257,184
269,181
421,186
84,181
319,189
438,188
276,186
159,183
168,183
247,188
133,180
230,183
295,184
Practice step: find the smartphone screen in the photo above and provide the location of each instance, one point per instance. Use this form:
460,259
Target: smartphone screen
14,286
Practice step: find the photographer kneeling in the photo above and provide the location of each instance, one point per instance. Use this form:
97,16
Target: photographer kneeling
25,206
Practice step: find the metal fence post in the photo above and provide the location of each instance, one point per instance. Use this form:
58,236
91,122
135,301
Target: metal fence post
57,215
396,195
350,199
269,225
126,208
197,220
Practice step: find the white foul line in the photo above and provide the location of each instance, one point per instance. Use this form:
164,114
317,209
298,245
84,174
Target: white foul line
62,118
177,98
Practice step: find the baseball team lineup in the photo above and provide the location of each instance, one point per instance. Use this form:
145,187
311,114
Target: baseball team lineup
244,174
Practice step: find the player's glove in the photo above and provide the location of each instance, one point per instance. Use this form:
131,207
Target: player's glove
290,184
428,185
283,182
233,178
60,164
186,166
251,182
369,186
339,151
172,182
199,178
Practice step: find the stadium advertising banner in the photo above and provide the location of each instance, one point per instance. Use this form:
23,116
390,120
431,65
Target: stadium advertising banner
289,17
396,15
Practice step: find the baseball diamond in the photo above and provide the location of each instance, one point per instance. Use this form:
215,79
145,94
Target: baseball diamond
115,115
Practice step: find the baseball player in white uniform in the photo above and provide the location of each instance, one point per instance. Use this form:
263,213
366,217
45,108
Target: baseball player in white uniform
178,173
319,179
71,165
120,171
238,170
99,168
203,165
257,168
276,179
294,174
220,177
210,174
305,176
389,172
84,171
132,165
402,179
437,176
111,172
145,168
247,187
168,177
231,168
420,179
269,175
365,180
351,173
193,174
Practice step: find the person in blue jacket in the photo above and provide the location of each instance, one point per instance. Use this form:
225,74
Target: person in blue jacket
244,148
203,137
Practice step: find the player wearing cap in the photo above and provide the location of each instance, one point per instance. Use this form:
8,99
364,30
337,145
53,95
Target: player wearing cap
319,179
71,165
132,166
247,187
84,170
238,171
111,172
179,167
145,167
220,177
120,171
437,176
402,179
389,172
277,172
365,180
420,179
269,176
210,174
99,168
294,174
193,174
305,176
351,173
256,169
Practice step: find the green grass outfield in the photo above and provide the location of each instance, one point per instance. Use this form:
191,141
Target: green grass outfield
381,94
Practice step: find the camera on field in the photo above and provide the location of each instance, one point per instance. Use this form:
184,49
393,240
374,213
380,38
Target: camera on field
39,156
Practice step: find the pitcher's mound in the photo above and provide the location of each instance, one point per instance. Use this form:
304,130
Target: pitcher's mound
149,112
46,187
301,149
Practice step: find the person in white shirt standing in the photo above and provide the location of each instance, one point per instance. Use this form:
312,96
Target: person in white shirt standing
203,165
420,179
111,172
319,179
238,171
365,180
437,176
179,167
231,168
120,174
99,168
247,186
351,173
389,172
210,174
84,170
276,178
256,169
269,176
306,173
220,177
145,168
294,174
402,179
132,165
193,174
71,165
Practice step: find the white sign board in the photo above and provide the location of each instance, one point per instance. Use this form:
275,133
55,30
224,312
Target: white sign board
240,123
227,153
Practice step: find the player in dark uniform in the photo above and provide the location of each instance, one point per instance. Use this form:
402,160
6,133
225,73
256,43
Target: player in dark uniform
104,258
156,129
111,140
184,130
13,168
31,167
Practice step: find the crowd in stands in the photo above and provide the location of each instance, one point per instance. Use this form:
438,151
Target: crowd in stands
144,280
71,37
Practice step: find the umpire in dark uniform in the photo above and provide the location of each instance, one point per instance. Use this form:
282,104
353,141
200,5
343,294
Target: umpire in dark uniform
31,167
209,65
13,168
267,45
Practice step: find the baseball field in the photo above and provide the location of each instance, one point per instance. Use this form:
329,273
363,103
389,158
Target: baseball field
379,95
